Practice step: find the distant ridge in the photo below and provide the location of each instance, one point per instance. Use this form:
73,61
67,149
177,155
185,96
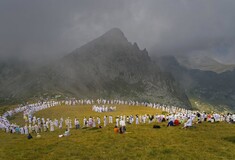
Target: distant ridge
204,63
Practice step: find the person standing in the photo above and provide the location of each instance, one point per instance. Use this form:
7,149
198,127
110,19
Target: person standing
137,119
110,119
77,125
122,126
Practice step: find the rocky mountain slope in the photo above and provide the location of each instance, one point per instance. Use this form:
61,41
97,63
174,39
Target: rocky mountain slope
108,66
217,89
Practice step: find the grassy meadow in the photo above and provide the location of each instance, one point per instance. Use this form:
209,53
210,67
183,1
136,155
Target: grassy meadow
205,141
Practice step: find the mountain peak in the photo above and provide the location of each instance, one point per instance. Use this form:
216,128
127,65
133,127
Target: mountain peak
114,31
114,34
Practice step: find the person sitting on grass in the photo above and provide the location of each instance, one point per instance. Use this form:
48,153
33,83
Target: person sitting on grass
66,133
176,122
116,130
189,123
29,136
170,123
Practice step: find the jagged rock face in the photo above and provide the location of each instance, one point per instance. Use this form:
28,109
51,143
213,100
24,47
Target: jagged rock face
110,56
111,67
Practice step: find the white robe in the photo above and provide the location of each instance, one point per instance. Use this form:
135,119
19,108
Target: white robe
189,123
26,131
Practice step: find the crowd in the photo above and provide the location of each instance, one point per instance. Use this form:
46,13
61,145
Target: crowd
28,111
175,116
103,108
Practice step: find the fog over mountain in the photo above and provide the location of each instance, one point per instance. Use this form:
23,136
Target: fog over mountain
109,66
44,30
176,52
112,67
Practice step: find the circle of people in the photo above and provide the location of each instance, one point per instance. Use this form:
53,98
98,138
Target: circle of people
35,124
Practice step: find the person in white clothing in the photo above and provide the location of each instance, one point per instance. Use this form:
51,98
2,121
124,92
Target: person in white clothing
189,123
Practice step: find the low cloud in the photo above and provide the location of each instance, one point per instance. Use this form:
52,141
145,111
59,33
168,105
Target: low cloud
48,29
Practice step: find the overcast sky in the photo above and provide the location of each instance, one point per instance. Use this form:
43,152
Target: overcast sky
32,29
